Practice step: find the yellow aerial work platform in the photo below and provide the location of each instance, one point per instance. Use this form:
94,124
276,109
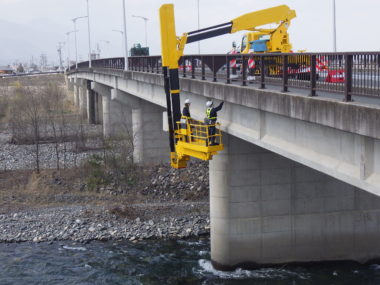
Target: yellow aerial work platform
195,139
191,138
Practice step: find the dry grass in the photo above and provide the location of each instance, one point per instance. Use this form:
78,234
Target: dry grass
21,190
124,212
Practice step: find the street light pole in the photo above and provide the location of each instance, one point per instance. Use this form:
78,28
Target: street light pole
68,49
145,24
125,39
199,43
76,43
122,36
334,26
89,36
60,46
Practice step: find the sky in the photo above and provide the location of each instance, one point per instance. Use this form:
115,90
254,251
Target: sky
29,28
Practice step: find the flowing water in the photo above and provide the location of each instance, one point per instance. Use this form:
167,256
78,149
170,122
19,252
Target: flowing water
155,262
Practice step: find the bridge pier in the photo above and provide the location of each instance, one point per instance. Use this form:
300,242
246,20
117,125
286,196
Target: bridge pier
70,84
91,104
98,108
150,141
127,114
268,210
116,117
83,98
76,93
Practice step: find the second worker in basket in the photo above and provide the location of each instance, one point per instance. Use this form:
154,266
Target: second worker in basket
212,116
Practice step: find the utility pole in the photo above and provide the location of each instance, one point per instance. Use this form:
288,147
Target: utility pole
68,49
125,39
145,24
334,26
199,44
60,46
89,36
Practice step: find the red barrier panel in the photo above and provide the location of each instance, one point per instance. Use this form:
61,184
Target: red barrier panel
335,76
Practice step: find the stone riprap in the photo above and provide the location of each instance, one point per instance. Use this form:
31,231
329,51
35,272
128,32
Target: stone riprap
82,224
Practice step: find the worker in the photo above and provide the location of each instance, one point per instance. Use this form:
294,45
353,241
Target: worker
212,115
186,109
186,119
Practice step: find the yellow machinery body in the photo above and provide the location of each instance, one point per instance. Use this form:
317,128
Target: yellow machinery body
278,38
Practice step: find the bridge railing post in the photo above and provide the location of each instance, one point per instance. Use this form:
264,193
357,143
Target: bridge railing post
192,67
228,69
244,71
285,73
313,75
203,69
184,66
348,77
214,69
262,72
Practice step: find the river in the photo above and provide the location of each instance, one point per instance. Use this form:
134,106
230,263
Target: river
155,262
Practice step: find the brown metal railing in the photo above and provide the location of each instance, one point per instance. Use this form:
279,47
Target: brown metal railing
342,73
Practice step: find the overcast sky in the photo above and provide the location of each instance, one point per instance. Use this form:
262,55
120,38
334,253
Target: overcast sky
31,27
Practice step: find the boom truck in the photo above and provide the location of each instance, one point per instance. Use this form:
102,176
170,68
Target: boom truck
274,41
189,137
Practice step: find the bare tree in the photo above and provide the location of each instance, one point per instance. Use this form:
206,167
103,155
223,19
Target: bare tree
26,118
53,104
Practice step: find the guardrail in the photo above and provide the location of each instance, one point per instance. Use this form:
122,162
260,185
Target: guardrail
343,73
29,74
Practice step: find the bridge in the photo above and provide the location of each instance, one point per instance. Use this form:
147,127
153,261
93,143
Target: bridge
299,179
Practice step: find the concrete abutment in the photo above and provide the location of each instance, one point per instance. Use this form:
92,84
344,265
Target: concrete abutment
268,210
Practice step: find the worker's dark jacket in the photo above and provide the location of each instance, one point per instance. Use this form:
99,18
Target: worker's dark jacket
186,111
213,115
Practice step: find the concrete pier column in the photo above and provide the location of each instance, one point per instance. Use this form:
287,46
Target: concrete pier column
69,84
268,210
138,142
83,98
116,116
76,95
90,104
106,102
99,108
151,144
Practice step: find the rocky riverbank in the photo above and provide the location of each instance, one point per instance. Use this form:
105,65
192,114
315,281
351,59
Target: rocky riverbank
84,224
22,156
89,198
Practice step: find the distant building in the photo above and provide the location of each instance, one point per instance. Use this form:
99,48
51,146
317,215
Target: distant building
6,70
